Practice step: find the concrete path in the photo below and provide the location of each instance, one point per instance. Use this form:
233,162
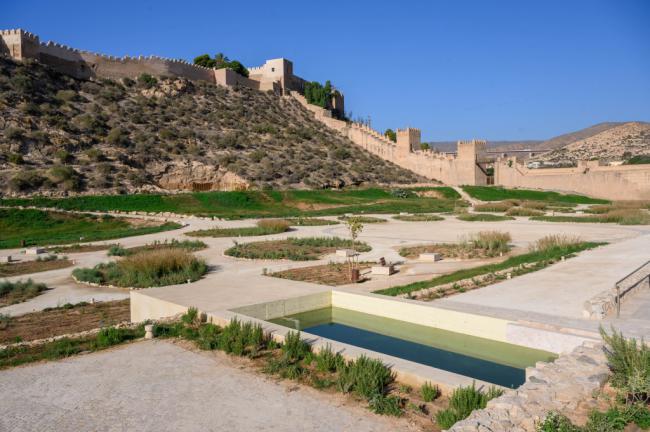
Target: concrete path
562,289
158,386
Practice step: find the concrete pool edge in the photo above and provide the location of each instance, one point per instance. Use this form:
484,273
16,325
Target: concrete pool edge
503,330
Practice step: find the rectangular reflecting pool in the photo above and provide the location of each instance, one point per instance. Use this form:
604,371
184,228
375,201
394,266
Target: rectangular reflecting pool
483,359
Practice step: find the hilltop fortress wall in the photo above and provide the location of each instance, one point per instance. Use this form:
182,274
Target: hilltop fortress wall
275,75
467,167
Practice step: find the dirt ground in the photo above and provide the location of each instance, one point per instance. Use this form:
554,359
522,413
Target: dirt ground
327,274
160,386
48,323
27,267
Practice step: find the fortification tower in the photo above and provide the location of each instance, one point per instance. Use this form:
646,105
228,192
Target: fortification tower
408,140
19,44
474,150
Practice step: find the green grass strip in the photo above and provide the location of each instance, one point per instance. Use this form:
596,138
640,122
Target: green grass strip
495,193
548,256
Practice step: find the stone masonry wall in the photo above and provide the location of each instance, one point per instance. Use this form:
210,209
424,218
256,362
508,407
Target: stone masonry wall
625,182
448,169
566,386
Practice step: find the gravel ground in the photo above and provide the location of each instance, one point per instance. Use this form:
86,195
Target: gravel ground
159,386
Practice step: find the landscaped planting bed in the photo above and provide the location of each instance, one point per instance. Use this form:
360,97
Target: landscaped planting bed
295,249
63,320
146,269
621,216
363,219
326,274
35,266
19,291
307,221
37,227
483,244
79,248
545,252
264,227
483,217
419,218
187,245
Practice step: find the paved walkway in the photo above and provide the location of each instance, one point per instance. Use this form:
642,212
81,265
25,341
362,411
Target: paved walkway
562,289
158,386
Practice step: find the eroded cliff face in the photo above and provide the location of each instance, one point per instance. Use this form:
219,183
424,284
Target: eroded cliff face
196,176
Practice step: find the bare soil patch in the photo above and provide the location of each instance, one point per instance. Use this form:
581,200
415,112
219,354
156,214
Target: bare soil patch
64,320
446,250
27,267
326,274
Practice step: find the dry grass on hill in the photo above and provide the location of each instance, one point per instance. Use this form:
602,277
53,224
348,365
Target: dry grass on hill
59,135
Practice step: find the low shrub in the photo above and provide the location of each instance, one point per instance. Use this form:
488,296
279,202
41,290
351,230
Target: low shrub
482,217
629,362
328,361
365,377
463,401
386,405
429,392
117,250
294,348
535,205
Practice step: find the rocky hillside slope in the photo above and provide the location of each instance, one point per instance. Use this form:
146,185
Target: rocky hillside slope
59,136
617,143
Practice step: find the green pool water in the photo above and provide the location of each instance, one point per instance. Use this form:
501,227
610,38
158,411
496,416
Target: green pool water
485,359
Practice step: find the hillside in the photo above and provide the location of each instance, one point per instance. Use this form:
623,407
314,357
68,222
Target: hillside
60,136
615,143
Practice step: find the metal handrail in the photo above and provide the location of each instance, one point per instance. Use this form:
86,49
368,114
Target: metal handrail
618,288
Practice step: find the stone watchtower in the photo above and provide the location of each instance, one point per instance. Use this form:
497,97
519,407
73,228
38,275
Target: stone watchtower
19,44
474,150
408,141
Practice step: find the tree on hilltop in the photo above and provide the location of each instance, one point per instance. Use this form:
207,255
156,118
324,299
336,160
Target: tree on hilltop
391,135
220,61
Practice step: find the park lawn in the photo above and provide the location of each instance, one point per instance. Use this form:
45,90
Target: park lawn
544,258
249,204
495,193
38,227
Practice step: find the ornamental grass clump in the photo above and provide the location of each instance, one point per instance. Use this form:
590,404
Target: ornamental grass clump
463,401
554,242
429,392
494,242
158,267
328,361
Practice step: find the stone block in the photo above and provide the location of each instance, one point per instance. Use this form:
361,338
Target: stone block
382,270
430,256
5,259
346,253
34,251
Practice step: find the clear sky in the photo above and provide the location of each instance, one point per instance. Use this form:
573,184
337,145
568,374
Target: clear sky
456,69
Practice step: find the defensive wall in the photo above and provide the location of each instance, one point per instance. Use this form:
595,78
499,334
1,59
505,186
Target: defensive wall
463,168
275,75
623,182
467,166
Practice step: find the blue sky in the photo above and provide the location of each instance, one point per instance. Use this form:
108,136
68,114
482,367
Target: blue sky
455,69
